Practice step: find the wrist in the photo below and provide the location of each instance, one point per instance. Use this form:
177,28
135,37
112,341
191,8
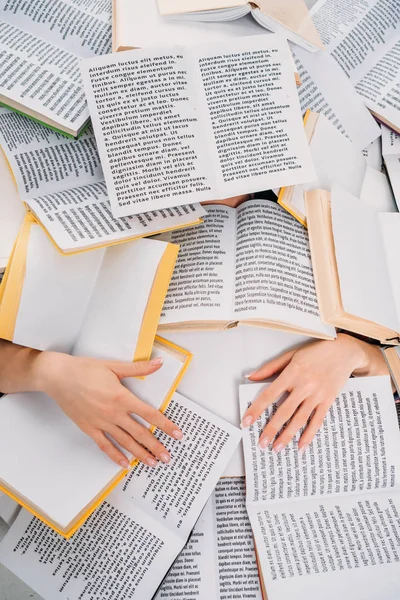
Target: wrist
357,351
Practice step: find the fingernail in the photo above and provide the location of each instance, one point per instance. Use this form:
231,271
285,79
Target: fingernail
302,449
165,457
156,361
278,448
151,462
124,464
264,442
177,434
248,375
247,421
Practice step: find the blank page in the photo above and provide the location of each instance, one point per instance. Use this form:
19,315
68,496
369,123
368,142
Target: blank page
390,227
50,461
361,259
115,312
54,296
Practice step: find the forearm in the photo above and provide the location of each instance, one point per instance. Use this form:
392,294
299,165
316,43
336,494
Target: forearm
18,371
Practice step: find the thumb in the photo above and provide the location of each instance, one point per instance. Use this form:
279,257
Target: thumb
135,369
272,367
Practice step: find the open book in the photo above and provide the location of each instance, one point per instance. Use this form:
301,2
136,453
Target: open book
45,441
363,38
205,132
12,213
219,560
336,160
62,184
250,265
355,259
132,539
289,19
326,523
41,50
391,156
94,303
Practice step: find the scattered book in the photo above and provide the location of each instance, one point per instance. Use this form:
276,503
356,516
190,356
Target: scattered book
391,157
46,441
134,536
204,122
364,40
138,24
355,262
392,356
336,160
285,17
61,183
219,559
250,266
326,523
90,304
40,52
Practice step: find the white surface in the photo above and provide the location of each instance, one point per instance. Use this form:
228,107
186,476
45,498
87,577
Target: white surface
376,191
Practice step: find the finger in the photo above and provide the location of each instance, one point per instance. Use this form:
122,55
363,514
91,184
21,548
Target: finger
145,438
313,426
272,367
282,416
126,441
155,417
108,447
298,421
135,369
267,397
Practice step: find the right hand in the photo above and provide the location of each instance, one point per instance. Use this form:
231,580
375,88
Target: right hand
90,392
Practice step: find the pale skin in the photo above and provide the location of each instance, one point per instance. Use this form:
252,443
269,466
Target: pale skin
90,392
312,376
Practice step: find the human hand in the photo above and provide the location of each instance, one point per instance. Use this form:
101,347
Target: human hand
90,392
313,375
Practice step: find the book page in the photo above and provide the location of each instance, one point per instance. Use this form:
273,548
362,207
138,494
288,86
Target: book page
249,101
170,164
9,509
219,561
355,451
390,228
44,161
127,550
42,77
362,36
175,494
274,277
55,293
330,548
361,261
373,154
79,26
333,96
81,217
114,315
201,286
377,193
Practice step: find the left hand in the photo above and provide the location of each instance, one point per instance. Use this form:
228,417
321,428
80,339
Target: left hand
313,375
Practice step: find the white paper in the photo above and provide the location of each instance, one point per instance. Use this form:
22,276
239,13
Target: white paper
376,191
9,509
11,210
391,155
